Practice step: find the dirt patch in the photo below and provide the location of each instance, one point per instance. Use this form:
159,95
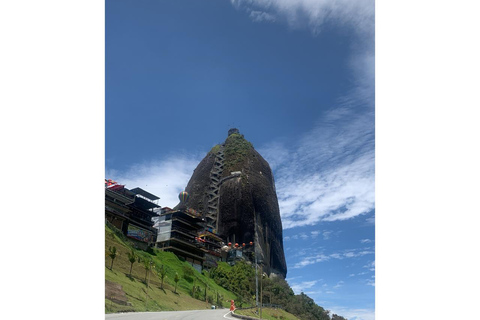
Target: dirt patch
114,292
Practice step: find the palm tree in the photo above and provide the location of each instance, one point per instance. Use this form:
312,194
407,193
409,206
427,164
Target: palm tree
162,273
176,279
132,257
112,254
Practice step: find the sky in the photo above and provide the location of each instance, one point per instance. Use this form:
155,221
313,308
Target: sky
60,134
297,78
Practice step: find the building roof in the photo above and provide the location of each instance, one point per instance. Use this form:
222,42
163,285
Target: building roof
119,196
145,204
206,233
144,193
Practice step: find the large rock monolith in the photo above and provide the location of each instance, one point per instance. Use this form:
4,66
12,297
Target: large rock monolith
233,187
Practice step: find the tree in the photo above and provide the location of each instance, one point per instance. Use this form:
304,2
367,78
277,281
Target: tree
197,292
147,264
132,257
219,299
176,279
113,254
188,273
162,273
206,286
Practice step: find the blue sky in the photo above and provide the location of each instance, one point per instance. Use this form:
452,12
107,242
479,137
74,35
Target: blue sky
297,79
426,125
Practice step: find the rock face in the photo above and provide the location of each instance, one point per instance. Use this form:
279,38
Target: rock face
234,187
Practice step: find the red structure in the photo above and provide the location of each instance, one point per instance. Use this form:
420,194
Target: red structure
232,305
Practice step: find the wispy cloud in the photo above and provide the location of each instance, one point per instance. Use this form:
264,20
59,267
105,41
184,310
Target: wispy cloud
260,16
370,220
370,266
302,286
371,281
327,234
329,174
322,257
314,234
164,178
353,313
303,236
315,14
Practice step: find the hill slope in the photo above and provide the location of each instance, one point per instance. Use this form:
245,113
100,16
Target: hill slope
155,298
194,290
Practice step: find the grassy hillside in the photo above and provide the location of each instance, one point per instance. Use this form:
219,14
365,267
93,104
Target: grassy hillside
268,314
217,287
155,298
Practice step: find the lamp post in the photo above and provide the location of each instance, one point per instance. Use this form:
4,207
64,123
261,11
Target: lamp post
256,278
148,281
255,241
261,291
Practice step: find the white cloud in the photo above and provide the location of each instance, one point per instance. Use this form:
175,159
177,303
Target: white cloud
370,220
370,282
336,256
365,241
353,314
326,235
275,152
370,266
321,257
314,14
300,287
260,16
305,262
337,193
329,174
314,234
349,255
164,178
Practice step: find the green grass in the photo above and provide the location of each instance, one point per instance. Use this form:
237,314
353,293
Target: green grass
268,314
155,298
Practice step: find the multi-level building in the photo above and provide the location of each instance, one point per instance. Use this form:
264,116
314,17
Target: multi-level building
177,233
211,246
131,212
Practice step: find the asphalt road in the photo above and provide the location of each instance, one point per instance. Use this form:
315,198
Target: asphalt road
219,314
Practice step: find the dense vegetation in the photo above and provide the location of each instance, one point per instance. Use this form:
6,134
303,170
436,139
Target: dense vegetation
240,279
160,281
237,149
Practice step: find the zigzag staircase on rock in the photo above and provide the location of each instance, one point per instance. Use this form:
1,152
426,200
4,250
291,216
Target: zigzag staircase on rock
212,193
